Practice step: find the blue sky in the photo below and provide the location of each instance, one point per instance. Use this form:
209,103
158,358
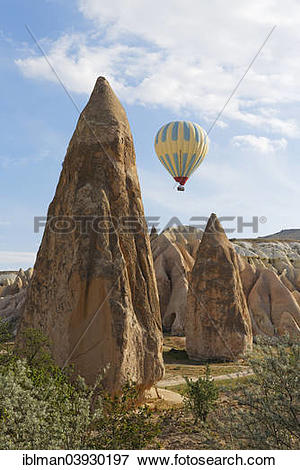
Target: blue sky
165,60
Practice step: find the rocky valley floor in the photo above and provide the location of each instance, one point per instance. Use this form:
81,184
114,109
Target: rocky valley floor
177,427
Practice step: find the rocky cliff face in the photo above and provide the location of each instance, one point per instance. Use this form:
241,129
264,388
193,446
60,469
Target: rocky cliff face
13,284
173,254
269,271
93,291
218,324
270,275
12,296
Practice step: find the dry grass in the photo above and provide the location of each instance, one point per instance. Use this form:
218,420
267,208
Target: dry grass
177,362
225,385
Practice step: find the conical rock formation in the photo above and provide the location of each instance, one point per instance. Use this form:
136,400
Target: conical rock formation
12,298
273,307
218,324
15,286
172,263
153,233
93,290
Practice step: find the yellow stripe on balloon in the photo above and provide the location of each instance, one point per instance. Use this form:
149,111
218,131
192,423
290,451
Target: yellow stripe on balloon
201,151
181,140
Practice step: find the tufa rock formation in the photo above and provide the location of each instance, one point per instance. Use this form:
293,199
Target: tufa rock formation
273,301
153,233
12,297
11,309
173,260
20,282
93,290
217,324
265,266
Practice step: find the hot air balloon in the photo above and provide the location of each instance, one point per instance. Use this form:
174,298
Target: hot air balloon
181,147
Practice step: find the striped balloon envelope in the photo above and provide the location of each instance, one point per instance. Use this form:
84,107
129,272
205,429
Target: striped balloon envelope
181,147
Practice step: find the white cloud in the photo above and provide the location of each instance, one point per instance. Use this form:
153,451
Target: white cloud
5,37
187,56
221,124
259,143
16,259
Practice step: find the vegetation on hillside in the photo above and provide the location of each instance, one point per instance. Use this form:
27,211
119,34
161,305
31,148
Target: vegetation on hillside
45,407
266,414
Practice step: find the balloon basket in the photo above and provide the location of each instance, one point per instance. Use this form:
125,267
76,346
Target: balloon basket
180,188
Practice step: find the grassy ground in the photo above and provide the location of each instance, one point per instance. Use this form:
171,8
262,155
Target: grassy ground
177,362
225,385
178,430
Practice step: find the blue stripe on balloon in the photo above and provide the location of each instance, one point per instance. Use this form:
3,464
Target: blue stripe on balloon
176,160
190,164
196,133
175,131
163,162
186,131
170,163
197,162
184,159
157,135
164,132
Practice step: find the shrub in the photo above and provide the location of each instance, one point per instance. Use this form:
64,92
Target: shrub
45,407
35,347
201,396
267,411
50,415
40,406
123,425
6,338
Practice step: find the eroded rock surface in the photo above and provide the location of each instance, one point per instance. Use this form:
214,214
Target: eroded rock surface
173,252
12,297
93,291
272,298
218,324
13,285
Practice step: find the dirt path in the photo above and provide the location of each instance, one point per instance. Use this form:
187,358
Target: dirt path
178,379
161,394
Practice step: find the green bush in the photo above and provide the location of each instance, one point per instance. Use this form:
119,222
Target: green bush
6,347
49,415
266,414
45,407
201,396
35,347
123,425
40,406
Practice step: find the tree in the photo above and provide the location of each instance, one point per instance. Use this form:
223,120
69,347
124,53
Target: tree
201,396
267,412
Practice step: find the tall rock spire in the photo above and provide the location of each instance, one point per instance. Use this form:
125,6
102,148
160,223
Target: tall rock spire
93,290
218,323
